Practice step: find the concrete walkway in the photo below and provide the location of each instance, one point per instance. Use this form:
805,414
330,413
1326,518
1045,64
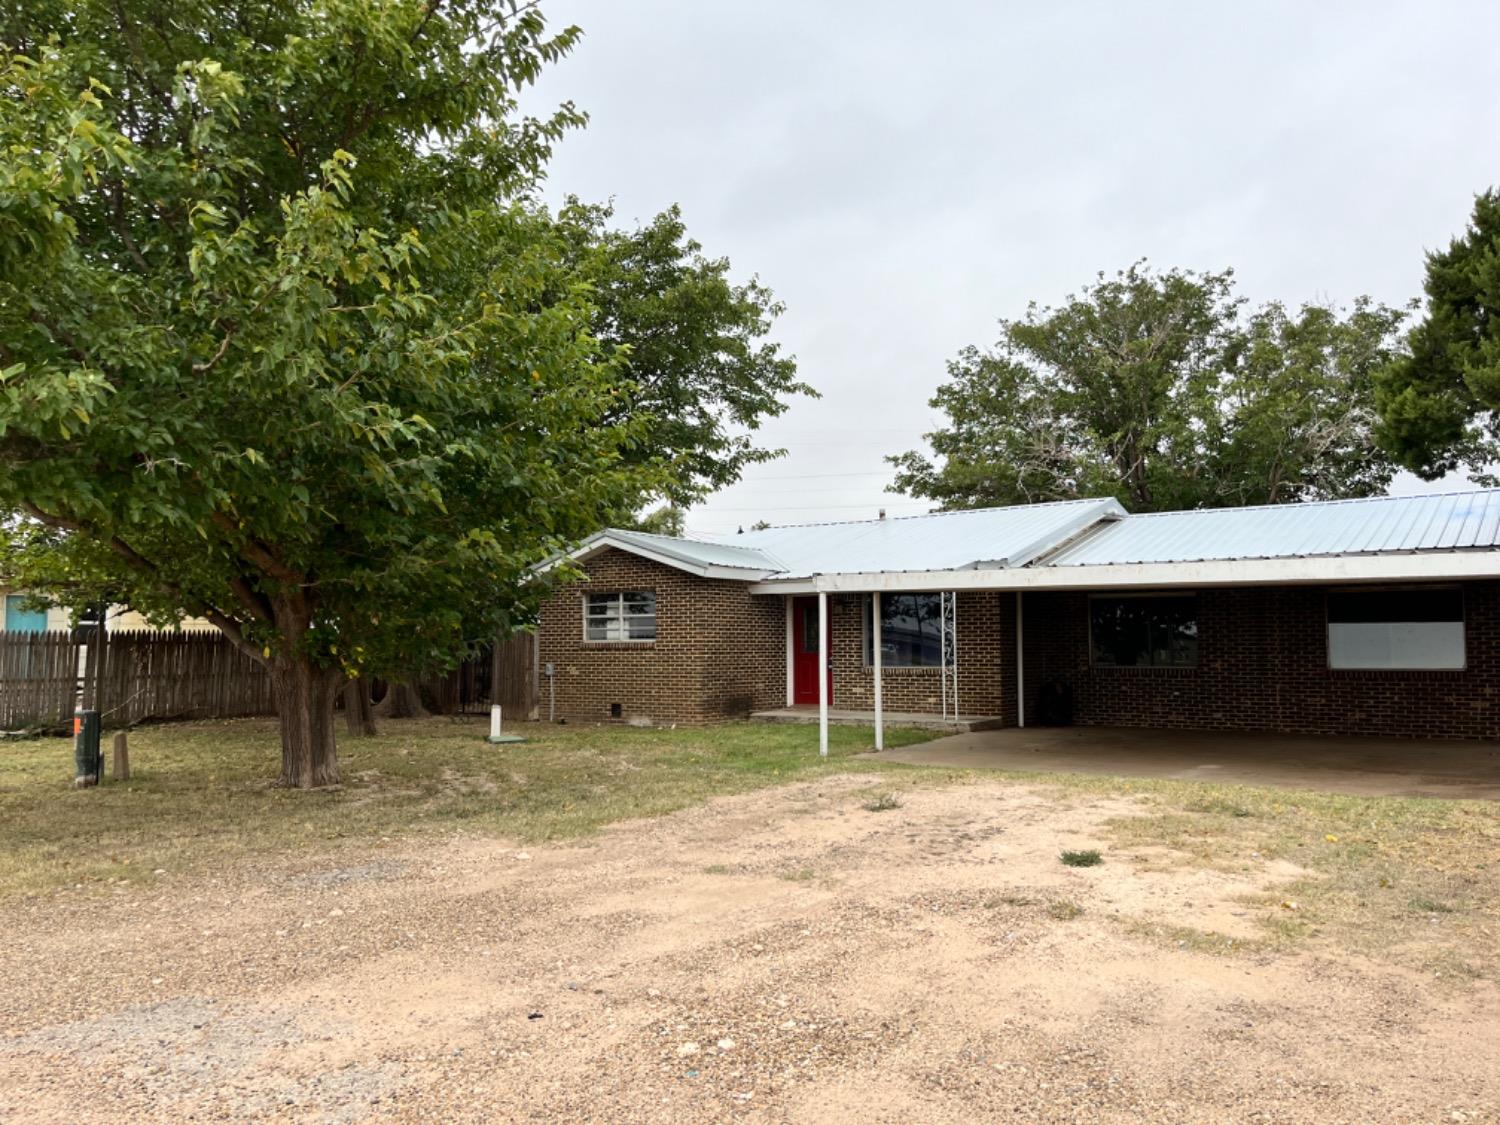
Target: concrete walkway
809,714
1380,767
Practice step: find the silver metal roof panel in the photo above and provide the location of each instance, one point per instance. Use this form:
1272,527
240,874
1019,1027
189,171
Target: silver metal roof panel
698,552
1379,525
989,537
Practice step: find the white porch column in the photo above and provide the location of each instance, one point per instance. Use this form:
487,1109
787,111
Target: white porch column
822,674
943,650
1020,668
875,660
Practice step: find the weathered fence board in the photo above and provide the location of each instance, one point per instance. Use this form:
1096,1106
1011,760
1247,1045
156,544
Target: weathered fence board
38,679
180,676
515,674
157,676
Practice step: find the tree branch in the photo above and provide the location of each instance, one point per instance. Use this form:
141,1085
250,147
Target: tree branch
59,333
218,355
122,225
220,620
258,553
256,603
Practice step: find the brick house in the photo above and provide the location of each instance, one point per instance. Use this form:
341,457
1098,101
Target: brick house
1368,617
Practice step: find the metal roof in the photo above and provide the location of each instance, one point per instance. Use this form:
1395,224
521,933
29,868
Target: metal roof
1453,521
1033,539
988,537
700,551
710,559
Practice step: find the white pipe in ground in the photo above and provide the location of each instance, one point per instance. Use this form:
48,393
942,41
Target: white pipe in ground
495,722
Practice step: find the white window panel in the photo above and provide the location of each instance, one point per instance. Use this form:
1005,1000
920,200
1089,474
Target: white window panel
1396,644
626,616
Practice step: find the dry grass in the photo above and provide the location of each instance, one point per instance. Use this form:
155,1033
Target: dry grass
1414,880
199,795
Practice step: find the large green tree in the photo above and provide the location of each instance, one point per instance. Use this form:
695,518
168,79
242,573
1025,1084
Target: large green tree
282,341
694,342
1440,403
1162,390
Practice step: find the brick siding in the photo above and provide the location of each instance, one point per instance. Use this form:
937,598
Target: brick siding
1263,665
985,624
719,653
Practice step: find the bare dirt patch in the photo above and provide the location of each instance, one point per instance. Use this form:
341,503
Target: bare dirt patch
784,955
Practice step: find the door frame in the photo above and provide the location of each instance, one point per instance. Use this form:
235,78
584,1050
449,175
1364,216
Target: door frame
803,604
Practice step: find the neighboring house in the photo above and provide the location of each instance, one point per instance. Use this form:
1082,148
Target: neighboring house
24,616
1377,616
122,620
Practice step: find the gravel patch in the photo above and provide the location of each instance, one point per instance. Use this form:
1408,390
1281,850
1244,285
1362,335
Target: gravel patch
780,956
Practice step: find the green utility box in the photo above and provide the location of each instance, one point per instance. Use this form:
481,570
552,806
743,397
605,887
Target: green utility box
88,756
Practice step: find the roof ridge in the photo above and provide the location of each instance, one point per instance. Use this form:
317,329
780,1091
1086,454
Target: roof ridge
680,538
1293,505
949,512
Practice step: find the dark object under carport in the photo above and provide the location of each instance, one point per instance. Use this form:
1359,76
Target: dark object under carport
1055,708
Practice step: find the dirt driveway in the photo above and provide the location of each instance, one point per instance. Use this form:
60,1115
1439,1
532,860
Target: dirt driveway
786,955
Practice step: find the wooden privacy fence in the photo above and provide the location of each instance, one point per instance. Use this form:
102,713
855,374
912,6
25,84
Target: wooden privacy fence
203,676
180,676
38,679
516,674
509,667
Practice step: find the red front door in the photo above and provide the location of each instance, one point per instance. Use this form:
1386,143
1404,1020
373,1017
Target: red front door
805,652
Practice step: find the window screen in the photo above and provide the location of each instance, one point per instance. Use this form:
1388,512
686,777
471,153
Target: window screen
1148,632
628,616
1396,629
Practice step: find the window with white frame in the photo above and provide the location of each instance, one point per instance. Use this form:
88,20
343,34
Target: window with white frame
1397,629
626,616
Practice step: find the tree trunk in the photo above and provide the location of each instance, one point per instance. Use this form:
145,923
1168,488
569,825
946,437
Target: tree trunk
403,702
359,712
304,704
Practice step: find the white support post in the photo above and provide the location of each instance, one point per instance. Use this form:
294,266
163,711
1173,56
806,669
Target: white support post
943,651
875,661
953,601
822,674
1020,668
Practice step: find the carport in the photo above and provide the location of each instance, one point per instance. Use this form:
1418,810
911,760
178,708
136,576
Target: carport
1350,617
1368,767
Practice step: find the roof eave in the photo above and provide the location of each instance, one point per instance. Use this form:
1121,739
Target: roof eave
604,540
1432,566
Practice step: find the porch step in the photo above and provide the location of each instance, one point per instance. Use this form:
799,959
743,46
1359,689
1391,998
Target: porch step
957,725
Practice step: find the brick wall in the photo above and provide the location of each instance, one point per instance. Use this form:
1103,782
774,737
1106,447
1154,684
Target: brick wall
1262,665
718,653
985,624
1262,662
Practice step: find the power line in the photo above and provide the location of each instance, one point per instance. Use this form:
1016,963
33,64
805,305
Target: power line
710,509
846,489
819,476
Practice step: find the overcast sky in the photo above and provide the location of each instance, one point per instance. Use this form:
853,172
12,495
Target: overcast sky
903,175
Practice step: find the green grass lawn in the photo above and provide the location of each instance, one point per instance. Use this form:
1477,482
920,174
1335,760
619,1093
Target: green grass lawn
199,792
